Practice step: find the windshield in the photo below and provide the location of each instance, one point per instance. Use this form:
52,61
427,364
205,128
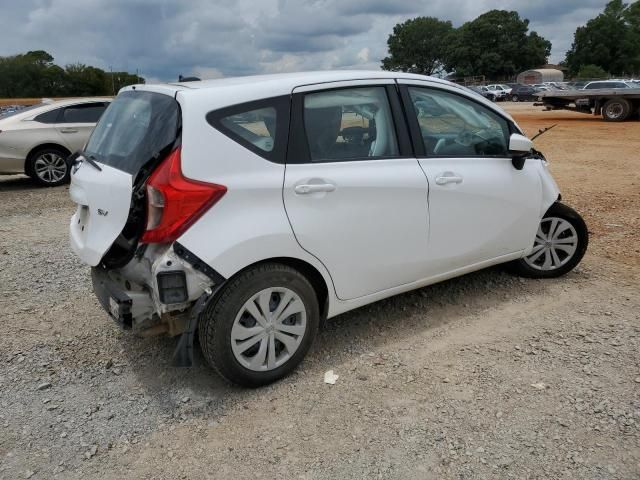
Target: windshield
135,128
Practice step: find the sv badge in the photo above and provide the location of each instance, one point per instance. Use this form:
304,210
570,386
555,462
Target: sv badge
103,213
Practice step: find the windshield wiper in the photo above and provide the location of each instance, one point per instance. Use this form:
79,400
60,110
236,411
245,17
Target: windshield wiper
91,160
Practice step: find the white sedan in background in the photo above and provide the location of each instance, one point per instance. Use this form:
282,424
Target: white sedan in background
37,140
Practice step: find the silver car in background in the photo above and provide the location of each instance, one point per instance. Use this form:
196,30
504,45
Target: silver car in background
37,140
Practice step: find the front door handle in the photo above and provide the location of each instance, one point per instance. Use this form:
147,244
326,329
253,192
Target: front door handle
314,188
68,130
448,177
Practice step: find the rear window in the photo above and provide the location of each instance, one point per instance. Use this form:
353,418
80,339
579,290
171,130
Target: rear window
134,129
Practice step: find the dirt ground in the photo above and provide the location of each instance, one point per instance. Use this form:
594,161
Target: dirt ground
485,376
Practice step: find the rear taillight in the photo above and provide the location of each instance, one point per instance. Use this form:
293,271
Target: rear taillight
174,202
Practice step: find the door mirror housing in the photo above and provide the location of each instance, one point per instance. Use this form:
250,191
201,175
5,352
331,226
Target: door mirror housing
519,147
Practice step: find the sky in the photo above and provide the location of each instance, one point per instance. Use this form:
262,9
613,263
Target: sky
213,38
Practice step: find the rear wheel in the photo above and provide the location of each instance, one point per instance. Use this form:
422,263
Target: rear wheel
616,110
48,167
561,242
261,325
515,98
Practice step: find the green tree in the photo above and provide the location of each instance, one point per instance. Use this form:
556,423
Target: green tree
419,45
84,80
497,44
117,80
33,74
611,40
591,72
39,57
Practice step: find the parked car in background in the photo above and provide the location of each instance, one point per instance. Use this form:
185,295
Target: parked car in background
500,90
8,109
554,85
485,92
541,87
251,209
606,84
522,93
37,140
576,85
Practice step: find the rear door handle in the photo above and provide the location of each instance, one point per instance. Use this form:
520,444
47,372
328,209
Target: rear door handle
448,177
314,188
68,130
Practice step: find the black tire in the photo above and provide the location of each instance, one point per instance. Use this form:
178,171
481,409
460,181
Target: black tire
557,210
217,320
48,153
616,110
515,98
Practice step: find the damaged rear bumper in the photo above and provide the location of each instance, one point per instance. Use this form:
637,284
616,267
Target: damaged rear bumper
122,305
134,298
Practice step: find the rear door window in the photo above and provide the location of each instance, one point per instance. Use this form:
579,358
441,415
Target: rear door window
349,124
85,113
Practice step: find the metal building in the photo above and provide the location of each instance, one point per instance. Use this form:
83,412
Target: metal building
540,75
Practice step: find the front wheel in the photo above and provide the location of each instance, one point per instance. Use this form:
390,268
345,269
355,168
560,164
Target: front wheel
261,325
515,98
561,242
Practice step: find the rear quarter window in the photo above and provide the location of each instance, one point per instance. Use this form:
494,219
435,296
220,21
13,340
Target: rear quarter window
260,126
51,116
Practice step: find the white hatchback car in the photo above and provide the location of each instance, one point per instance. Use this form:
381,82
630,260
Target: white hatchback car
251,209
37,140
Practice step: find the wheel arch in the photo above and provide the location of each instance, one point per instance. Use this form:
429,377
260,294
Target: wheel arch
43,146
311,273
550,193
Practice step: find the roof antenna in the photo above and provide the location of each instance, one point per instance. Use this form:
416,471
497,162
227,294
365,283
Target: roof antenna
187,79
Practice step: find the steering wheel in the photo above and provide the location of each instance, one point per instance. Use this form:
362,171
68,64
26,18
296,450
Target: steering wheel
465,138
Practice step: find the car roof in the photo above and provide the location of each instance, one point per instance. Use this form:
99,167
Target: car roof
288,81
51,104
279,83
222,92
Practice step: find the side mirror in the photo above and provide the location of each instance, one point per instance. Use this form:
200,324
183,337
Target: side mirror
519,147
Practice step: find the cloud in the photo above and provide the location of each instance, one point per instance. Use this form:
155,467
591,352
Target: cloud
209,38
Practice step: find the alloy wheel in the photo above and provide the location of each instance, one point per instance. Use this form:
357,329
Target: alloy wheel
268,329
50,167
555,244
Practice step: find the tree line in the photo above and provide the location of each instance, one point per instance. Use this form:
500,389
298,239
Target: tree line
33,74
499,45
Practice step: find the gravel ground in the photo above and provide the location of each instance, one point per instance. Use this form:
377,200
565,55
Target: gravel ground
485,376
